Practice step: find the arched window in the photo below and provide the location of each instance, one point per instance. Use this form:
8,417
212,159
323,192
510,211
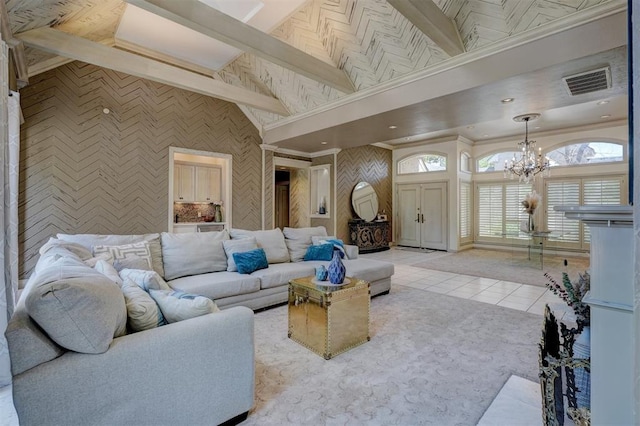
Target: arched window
586,153
465,162
422,163
494,162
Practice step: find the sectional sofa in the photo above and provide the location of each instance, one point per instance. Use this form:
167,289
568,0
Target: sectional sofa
73,362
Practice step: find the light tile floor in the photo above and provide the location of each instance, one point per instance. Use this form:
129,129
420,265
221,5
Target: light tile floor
502,293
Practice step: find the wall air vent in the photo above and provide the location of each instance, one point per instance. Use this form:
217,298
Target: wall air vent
587,82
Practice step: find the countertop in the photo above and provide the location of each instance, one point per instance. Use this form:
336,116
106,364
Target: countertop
198,223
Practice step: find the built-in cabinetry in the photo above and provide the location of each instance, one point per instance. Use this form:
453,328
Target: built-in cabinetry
182,228
320,193
199,184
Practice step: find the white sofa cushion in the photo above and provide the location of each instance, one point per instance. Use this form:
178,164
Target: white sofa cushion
217,285
178,305
237,246
272,241
146,280
193,253
142,311
368,270
282,273
90,240
107,269
298,240
78,307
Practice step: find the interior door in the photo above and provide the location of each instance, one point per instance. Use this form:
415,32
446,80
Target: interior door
433,216
282,206
408,232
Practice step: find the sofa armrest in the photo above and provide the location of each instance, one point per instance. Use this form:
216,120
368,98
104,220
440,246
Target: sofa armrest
351,251
189,372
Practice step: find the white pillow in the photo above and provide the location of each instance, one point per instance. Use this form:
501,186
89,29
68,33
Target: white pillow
237,246
193,253
271,241
146,280
177,305
107,269
142,311
93,261
298,240
139,249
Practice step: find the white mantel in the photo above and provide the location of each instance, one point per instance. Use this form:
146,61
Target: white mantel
611,301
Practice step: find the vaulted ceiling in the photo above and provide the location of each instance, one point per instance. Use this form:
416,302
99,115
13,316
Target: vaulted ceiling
358,50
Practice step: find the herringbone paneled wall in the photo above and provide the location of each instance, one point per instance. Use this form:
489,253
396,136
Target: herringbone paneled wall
299,198
269,190
370,164
84,171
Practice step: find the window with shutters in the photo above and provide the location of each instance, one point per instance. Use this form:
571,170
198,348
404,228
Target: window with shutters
567,233
586,153
422,163
464,217
499,211
465,162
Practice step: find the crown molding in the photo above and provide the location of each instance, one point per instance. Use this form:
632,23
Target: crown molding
267,147
287,151
331,151
384,145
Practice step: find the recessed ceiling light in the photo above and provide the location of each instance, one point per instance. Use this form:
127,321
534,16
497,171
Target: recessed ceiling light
537,127
393,127
507,100
605,116
408,138
485,136
323,143
471,127
603,102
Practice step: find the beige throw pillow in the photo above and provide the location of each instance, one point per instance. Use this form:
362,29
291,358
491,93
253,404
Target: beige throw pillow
140,249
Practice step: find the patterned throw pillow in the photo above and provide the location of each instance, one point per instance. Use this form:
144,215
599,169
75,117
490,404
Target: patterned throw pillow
319,252
250,261
142,311
178,305
140,249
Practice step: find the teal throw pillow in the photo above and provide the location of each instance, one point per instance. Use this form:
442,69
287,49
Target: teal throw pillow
250,261
319,252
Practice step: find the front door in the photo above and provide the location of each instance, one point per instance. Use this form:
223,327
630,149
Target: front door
422,215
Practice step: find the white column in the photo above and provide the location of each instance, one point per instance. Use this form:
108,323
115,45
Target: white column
611,301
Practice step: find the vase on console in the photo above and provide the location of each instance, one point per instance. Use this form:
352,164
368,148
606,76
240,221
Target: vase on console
336,268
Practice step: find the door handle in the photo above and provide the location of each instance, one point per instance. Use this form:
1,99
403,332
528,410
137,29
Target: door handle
422,218
418,218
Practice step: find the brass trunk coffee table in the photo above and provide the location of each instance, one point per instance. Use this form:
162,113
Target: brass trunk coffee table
329,319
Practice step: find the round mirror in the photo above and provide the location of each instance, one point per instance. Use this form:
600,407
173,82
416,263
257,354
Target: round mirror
365,201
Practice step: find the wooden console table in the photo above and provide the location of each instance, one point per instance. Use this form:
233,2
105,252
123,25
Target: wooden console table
369,236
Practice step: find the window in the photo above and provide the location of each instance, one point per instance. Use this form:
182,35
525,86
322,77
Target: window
422,163
499,210
586,153
580,191
464,217
495,162
465,162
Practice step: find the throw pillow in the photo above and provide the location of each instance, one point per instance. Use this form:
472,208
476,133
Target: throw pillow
319,252
93,261
298,240
142,311
272,241
139,249
237,246
146,280
79,308
250,261
193,253
107,269
177,305
131,262
337,243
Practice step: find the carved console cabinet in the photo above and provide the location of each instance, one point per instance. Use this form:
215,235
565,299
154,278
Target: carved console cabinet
369,236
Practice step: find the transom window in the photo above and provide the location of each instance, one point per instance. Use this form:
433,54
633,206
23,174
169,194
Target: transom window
422,163
586,153
494,162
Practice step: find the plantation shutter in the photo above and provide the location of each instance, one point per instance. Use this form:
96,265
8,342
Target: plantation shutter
600,192
558,193
465,212
490,214
515,193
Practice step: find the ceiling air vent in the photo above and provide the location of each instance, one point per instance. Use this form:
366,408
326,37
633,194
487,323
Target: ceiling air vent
587,82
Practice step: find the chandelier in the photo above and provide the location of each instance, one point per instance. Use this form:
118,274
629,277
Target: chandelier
529,163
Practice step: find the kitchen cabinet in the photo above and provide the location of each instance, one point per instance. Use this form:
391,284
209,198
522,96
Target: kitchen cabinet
184,177
208,184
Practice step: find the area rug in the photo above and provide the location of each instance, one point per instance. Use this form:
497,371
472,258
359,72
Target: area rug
505,266
432,360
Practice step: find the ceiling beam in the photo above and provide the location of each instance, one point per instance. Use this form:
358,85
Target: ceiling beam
78,48
429,19
199,17
58,61
16,46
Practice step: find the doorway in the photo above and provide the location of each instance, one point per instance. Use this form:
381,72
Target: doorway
422,215
282,197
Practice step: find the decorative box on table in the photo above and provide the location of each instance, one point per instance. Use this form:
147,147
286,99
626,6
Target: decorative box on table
329,319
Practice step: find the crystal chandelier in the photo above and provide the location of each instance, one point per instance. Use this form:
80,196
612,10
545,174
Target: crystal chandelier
530,163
